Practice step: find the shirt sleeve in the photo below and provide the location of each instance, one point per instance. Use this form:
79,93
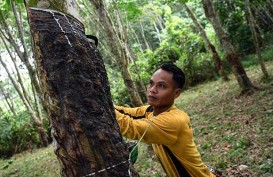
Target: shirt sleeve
135,113
164,128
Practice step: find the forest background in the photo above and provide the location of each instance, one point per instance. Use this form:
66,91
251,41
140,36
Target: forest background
149,33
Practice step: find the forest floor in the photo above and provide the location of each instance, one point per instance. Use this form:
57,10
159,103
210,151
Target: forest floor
233,133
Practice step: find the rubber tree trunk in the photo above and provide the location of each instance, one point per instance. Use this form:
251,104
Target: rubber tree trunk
75,85
231,56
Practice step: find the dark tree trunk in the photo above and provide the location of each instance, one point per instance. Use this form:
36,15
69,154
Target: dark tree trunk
75,85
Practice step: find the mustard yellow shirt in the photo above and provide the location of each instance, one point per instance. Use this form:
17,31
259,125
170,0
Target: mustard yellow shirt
171,136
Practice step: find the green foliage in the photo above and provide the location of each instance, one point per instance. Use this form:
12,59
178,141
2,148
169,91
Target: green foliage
131,8
32,3
251,60
17,134
145,67
119,92
5,5
233,18
182,46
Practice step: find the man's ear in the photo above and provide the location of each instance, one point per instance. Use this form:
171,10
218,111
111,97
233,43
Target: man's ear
177,92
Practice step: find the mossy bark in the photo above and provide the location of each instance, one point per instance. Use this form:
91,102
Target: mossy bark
76,88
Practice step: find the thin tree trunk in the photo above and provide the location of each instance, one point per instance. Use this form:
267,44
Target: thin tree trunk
1,110
257,26
160,22
38,106
122,38
252,25
231,56
136,38
157,32
211,47
129,28
19,77
143,36
10,105
20,27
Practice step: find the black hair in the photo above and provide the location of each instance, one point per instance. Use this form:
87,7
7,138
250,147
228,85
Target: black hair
178,74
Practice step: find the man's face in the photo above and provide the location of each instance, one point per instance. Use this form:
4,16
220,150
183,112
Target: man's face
162,89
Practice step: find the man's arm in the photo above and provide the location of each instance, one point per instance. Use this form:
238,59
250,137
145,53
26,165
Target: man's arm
163,130
135,113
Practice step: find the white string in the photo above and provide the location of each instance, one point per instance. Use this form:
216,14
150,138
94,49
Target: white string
108,168
129,171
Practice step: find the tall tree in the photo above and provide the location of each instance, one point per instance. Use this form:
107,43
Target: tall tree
252,25
74,81
231,55
118,41
214,54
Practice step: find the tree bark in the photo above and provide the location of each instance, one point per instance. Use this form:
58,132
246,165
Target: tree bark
211,47
231,56
74,82
252,25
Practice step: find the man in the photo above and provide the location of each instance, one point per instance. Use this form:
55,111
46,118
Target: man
169,130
